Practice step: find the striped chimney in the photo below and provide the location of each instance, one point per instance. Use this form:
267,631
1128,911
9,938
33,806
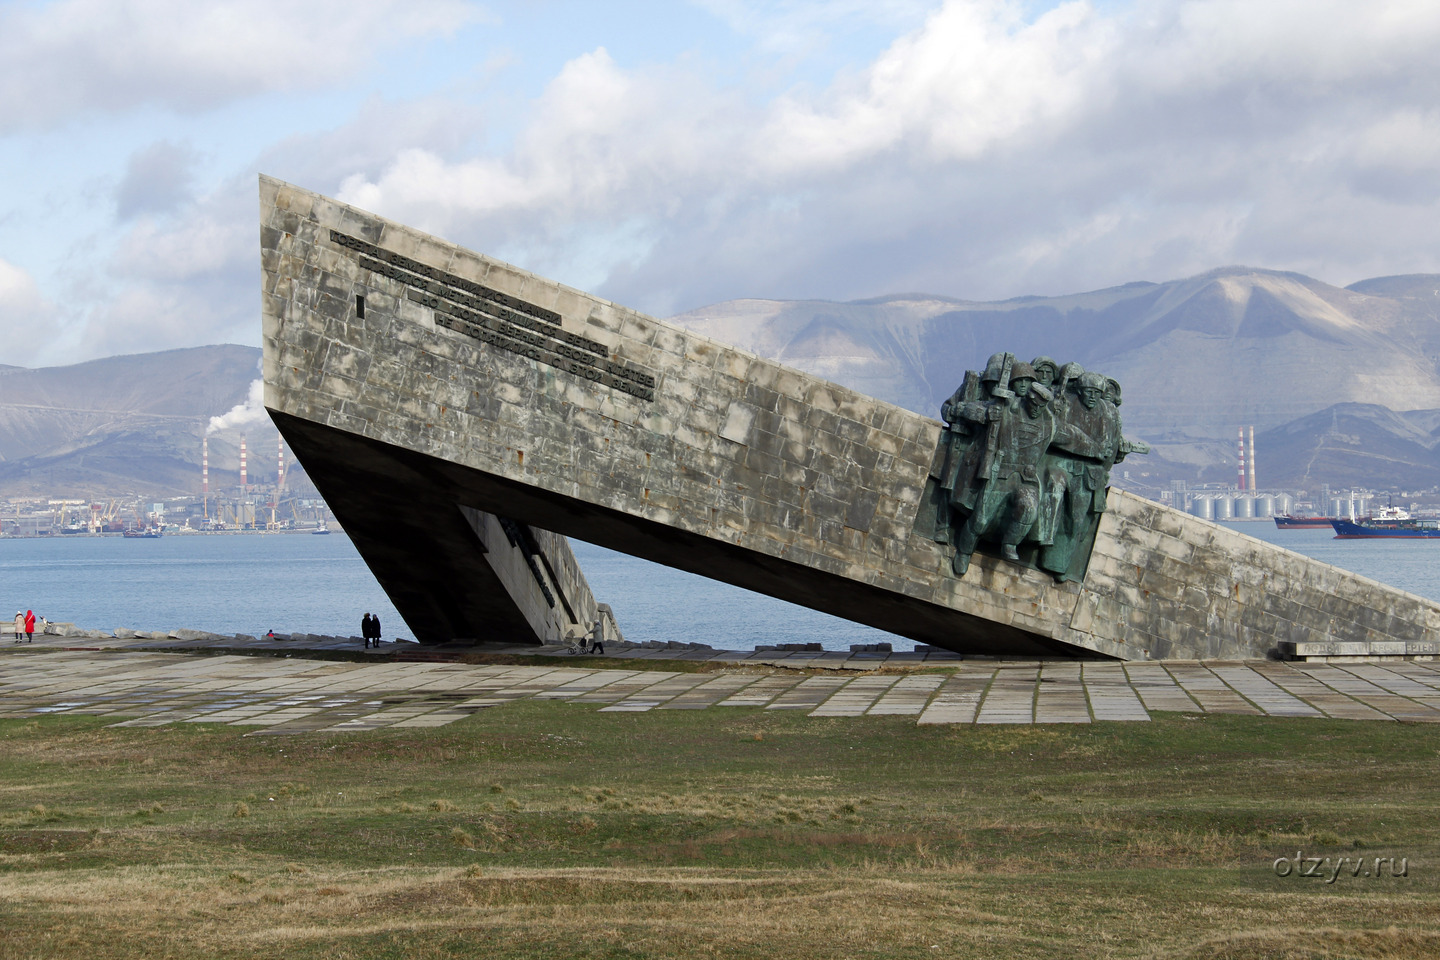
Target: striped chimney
280,458
1251,461
1242,484
205,465
243,472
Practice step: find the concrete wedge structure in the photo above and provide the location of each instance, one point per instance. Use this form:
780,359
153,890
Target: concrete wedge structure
463,417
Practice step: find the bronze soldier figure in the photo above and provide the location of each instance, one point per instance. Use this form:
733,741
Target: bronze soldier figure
1025,459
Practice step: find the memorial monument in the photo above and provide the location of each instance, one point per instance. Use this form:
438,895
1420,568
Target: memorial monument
463,418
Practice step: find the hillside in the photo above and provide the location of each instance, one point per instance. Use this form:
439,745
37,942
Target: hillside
125,425
1354,445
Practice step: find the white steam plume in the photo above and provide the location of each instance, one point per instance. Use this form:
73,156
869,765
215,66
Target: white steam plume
242,414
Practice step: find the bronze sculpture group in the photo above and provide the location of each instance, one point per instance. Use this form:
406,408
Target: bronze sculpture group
1024,463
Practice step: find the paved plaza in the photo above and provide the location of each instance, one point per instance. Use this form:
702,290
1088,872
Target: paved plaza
280,695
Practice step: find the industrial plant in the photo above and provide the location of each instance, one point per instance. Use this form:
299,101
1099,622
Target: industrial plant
273,502
1245,499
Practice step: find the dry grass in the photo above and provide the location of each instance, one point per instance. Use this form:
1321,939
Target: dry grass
673,912
549,830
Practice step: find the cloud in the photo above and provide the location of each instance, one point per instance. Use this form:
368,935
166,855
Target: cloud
791,27
183,267
977,77
987,153
180,280
242,414
157,180
70,57
27,320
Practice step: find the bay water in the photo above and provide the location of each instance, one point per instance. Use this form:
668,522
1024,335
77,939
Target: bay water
250,583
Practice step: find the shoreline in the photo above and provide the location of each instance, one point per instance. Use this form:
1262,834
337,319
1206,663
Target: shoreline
174,533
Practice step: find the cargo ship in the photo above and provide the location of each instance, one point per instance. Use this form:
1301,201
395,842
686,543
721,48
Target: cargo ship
1288,522
1389,523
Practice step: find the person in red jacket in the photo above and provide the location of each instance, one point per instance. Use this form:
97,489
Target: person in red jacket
29,626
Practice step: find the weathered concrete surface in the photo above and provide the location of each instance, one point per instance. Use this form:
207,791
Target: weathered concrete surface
1174,586
469,383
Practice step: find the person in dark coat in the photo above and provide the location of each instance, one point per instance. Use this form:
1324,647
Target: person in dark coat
365,628
375,629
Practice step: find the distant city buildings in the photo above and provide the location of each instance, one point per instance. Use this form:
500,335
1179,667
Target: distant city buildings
216,513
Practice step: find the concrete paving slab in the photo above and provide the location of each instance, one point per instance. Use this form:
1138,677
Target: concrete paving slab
1347,680
1158,690
760,693
711,692
1110,695
1060,696
808,694
855,697
1010,697
958,698
1263,693
907,698
1208,690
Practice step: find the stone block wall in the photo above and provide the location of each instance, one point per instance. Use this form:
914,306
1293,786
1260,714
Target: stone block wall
1172,585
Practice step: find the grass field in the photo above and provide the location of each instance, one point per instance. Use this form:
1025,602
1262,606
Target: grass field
545,829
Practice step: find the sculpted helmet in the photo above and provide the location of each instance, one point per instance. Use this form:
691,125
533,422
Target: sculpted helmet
993,368
1112,390
1022,371
1043,365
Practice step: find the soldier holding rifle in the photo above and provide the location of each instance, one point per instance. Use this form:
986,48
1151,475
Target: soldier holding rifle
1027,457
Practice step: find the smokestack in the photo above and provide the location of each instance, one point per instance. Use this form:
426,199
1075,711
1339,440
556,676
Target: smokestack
280,458
205,466
1251,461
1240,484
242,465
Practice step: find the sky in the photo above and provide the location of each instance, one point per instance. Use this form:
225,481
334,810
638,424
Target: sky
670,155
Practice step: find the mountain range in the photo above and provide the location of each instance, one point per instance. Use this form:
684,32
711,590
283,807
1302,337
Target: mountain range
1342,384
128,425
1197,358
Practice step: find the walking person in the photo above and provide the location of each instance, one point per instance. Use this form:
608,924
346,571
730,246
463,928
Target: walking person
597,636
29,626
19,625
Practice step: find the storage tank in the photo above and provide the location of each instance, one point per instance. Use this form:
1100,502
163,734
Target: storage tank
1265,505
1244,508
1203,507
1337,508
1224,508
1284,503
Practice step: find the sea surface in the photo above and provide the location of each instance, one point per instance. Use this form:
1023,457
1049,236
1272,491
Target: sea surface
302,583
